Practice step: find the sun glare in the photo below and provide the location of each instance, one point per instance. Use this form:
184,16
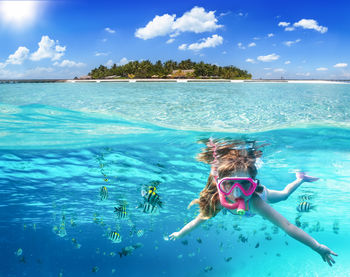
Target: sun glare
18,13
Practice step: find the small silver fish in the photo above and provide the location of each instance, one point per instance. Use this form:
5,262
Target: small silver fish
305,197
126,251
19,252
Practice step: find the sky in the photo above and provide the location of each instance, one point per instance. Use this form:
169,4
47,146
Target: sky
270,39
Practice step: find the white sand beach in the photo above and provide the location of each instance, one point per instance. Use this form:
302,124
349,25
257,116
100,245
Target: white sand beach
207,81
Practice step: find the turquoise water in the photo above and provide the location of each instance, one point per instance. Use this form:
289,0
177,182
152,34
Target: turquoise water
59,143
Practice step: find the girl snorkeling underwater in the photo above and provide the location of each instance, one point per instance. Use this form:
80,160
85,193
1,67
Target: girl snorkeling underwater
232,186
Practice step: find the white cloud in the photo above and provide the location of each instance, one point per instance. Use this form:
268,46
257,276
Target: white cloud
123,61
68,63
174,35
322,69
224,52
252,44
270,35
279,70
240,45
19,56
283,24
6,74
159,26
109,30
310,24
250,60
268,58
182,46
196,20
104,40
224,14
242,14
346,74
289,29
48,48
208,42
290,43
267,68
38,71
303,74
287,62
109,63
340,65
171,40
97,54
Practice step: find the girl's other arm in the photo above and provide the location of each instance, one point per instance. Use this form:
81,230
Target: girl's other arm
276,218
188,228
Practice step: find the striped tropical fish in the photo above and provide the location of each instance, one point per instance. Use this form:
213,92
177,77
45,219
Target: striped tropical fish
147,208
151,196
304,207
140,233
121,211
103,193
115,237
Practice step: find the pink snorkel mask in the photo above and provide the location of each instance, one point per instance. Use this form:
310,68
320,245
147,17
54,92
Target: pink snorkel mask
235,185
231,184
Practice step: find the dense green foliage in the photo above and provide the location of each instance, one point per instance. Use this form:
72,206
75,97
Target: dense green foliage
146,69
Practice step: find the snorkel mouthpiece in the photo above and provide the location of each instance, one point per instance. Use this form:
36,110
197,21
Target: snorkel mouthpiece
241,206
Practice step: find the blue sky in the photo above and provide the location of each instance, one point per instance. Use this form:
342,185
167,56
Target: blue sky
270,39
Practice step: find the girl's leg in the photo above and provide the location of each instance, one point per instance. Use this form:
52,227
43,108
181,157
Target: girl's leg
274,196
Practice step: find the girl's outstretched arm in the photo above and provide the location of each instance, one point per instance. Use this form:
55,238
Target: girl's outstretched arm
188,228
276,218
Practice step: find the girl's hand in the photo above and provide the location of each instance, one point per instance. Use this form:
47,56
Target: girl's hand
301,175
326,253
174,236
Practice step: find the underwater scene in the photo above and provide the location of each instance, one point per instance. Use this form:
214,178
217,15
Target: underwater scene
94,177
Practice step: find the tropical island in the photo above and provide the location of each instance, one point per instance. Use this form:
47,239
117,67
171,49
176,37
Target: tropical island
170,69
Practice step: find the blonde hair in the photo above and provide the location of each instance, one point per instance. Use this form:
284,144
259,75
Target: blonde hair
232,158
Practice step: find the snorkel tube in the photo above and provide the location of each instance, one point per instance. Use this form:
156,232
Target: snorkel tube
239,205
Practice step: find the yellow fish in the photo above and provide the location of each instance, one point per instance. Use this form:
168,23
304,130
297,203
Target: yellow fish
115,237
103,193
